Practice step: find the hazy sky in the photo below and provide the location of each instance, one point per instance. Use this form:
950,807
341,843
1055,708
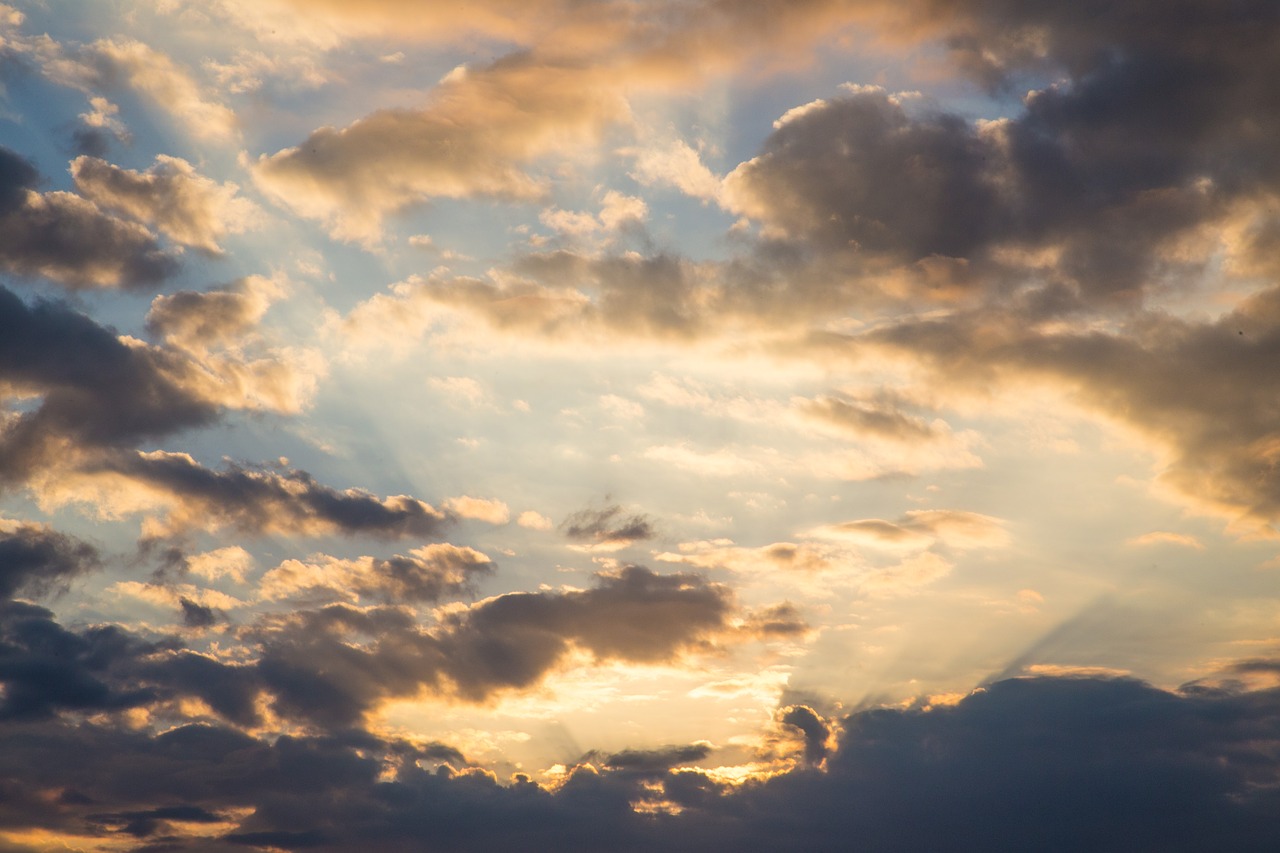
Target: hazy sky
639,424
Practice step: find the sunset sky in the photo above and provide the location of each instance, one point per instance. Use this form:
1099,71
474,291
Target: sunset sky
639,424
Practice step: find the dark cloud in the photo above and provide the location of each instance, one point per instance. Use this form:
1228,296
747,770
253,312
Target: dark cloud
35,560
97,391
46,668
1202,390
857,174
141,824
197,615
655,762
316,671
68,239
608,526
812,726
262,500
91,141
1158,127
1045,764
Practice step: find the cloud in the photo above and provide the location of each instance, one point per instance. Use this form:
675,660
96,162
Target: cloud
857,174
919,528
428,574
482,509
480,131
509,642
113,63
95,389
1093,190
675,164
198,320
815,729
47,668
1195,389
778,556
655,762
534,520
185,206
70,240
608,528
36,560
1166,537
262,500
872,419
1045,763
91,391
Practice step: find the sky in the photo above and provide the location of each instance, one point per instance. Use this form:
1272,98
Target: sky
639,424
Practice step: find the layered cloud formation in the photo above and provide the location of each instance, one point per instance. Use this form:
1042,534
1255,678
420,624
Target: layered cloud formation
683,425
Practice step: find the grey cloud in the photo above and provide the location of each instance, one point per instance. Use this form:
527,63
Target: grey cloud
35,560
46,668
196,615
870,418
202,318
635,615
812,726
69,240
1045,764
97,391
261,500
429,576
509,642
1159,128
609,525
857,174
654,762
1201,389
659,294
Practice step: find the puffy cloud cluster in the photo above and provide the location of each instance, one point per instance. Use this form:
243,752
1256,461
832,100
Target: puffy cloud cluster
69,239
1050,763
187,207
476,137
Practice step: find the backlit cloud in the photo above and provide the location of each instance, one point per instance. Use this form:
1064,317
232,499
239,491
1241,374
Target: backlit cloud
353,358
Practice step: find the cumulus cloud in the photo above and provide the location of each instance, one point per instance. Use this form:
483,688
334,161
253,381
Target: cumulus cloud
36,560
482,509
505,643
171,196
480,131
114,63
96,390
534,520
69,239
1033,760
427,574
